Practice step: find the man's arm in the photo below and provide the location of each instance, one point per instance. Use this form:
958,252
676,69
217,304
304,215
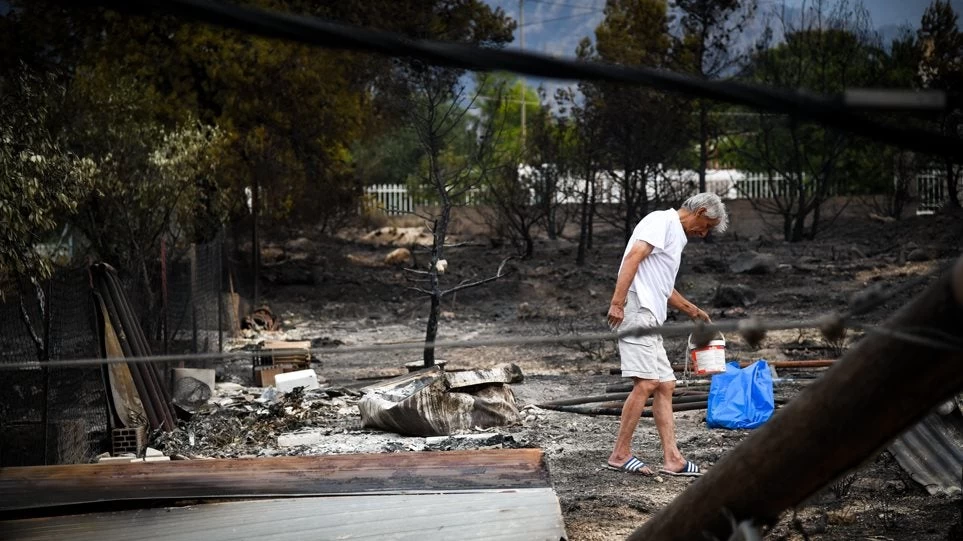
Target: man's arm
680,303
630,265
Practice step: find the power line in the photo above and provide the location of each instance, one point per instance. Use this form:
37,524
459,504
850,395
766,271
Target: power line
563,18
829,111
565,4
680,329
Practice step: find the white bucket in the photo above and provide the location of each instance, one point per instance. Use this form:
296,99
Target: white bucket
709,359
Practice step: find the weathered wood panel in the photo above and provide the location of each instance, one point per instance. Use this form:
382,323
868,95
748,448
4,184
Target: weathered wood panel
44,486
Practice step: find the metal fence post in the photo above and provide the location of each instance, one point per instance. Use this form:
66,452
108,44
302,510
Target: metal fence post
193,301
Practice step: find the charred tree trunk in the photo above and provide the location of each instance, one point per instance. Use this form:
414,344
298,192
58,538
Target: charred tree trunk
952,195
439,232
703,144
583,225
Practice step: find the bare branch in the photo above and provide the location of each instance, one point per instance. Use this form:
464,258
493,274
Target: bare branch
498,275
419,290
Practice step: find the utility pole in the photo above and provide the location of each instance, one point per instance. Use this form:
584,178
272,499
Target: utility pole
521,44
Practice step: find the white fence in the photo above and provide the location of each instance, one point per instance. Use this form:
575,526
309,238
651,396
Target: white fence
727,183
395,199
390,199
931,189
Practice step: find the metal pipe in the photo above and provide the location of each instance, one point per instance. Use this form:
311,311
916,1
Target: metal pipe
165,403
620,397
613,410
137,344
135,370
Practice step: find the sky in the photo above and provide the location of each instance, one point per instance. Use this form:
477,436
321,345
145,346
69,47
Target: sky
555,27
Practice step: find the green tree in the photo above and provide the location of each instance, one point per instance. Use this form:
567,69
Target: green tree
40,184
517,194
833,47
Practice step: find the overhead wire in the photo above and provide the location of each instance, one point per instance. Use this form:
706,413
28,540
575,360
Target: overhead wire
833,112
568,5
336,35
556,19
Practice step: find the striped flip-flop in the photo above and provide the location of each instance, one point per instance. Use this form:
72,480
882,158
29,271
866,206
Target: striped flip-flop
689,470
632,465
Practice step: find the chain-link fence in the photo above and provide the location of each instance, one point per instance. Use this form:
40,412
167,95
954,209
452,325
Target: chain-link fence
51,415
60,415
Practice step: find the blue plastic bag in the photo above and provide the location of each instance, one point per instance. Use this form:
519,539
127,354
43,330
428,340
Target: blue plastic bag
741,398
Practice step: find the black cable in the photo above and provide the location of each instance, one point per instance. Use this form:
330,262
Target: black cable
566,4
562,18
832,112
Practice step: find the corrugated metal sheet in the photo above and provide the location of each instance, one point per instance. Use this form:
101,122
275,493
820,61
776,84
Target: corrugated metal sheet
932,452
522,515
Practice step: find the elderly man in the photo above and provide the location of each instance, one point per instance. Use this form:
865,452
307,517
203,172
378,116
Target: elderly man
644,289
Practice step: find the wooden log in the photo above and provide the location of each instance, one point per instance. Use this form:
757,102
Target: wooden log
878,389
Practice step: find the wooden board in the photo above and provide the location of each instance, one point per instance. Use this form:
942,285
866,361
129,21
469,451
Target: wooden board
524,514
45,486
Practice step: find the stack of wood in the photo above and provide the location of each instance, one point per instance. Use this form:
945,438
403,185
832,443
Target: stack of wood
279,357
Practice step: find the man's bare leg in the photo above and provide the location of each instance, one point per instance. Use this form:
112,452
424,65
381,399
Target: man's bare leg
665,423
631,413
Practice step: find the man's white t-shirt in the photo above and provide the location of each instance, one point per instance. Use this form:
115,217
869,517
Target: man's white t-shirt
655,278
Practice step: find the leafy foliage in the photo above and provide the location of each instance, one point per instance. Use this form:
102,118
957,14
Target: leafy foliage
40,179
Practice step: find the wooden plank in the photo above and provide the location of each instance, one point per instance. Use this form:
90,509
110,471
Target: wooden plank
44,486
525,514
881,386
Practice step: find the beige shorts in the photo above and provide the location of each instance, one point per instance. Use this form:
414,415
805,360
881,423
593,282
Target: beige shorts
644,356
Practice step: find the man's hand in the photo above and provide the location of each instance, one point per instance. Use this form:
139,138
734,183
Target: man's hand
701,315
616,315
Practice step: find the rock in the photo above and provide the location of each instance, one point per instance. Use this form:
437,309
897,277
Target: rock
526,311
290,273
301,244
733,295
735,312
754,263
398,256
841,516
921,254
271,254
710,264
441,266
150,451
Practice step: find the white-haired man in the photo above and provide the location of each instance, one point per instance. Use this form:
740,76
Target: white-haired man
643,291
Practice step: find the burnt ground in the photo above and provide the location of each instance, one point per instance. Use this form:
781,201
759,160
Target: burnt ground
333,290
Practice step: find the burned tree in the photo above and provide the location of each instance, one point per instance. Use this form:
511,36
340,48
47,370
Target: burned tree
457,159
711,30
831,47
641,130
